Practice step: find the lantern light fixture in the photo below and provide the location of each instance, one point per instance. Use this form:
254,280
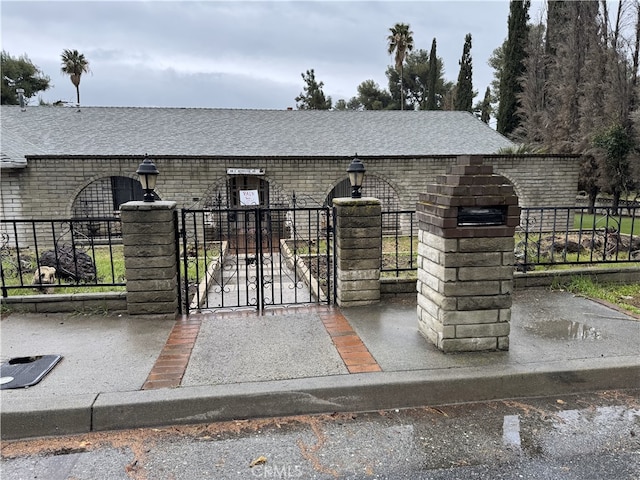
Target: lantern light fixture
148,174
356,173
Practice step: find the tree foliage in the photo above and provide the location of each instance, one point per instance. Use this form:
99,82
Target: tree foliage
617,144
496,61
512,66
415,79
74,64
20,72
400,42
463,99
531,101
483,109
352,104
579,90
409,92
433,77
415,82
312,98
372,97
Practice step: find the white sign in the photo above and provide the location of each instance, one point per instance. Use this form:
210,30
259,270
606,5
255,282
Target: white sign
249,197
245,171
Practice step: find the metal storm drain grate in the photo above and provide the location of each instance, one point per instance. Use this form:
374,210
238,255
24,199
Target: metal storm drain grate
23,372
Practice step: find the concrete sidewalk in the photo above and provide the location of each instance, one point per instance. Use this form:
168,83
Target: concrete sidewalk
299,361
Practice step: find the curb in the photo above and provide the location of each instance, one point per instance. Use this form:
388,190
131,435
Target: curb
339,393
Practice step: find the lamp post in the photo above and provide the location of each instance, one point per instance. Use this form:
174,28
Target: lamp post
148,174
356,172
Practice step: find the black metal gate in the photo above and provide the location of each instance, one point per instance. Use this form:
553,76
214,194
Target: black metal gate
255,258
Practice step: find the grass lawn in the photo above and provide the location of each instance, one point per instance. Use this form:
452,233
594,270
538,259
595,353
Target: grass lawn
109,268
627,297
627,224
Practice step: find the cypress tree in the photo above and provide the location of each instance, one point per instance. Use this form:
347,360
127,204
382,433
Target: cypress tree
485,106
432,79
464,88
513,67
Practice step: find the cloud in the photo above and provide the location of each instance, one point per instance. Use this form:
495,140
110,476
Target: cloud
239,54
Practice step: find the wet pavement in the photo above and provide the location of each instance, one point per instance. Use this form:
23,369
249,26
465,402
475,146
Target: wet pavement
548,326
587,436
288,362
239,349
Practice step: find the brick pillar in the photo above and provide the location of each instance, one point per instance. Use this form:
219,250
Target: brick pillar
358,233
148,235
467,222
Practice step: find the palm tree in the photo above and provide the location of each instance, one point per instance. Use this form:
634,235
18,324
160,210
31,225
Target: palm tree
400,42
74,64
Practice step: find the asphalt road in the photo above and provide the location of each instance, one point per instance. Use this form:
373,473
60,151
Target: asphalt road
591,436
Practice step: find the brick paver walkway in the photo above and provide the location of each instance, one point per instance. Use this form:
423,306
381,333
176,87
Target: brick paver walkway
172,362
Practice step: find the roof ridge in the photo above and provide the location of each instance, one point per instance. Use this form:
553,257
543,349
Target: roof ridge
135,107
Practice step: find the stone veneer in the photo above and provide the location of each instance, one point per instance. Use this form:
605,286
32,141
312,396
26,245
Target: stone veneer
465,272
358,244
34,192
151,267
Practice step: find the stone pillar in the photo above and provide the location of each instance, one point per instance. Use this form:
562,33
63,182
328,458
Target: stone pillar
149,238
467,223
358,234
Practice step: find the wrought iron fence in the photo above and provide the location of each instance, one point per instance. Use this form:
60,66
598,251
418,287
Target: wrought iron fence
399,242
45,255
256,257
546,236
572,236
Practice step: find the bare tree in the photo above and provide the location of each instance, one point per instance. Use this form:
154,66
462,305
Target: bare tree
533,116
580,88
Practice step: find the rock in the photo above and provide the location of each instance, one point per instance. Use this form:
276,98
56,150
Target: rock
71,264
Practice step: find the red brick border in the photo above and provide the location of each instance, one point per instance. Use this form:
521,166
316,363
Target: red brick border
172,362
354,353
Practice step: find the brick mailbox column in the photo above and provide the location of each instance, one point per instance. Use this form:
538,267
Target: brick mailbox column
148,235
358,233
467,223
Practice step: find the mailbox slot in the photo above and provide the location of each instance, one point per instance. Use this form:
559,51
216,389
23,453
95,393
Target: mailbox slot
476,216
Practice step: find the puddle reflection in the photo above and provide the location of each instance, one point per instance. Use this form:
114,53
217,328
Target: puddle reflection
564,330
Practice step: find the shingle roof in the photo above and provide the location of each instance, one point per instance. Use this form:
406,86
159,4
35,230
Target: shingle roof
220,132
13,148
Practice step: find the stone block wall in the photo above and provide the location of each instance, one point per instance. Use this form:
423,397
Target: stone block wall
49,185
539,180
12,192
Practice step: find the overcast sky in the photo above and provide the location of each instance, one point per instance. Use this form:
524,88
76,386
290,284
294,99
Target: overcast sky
239,54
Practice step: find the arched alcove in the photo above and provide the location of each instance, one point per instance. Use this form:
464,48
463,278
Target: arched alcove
373,186
225,192
103,197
